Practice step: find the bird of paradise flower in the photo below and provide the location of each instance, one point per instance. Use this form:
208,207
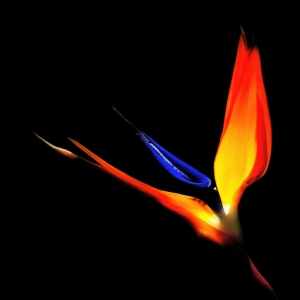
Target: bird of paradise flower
242,157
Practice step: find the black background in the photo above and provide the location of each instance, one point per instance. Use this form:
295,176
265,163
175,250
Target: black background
169,73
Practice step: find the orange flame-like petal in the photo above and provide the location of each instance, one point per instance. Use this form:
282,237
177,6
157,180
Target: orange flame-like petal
199,215
245,146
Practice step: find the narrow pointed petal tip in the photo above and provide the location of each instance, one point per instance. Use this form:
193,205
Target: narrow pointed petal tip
133,126
245,145
243,35
62,151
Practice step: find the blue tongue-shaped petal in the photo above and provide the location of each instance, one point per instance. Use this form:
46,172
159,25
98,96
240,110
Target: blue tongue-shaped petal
175,166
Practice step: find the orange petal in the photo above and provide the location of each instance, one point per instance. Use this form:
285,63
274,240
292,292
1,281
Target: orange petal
200,216
245,146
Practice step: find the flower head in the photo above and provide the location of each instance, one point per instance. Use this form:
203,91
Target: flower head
242,157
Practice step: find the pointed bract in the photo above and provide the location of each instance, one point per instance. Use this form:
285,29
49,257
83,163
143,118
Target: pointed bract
245,145
204,221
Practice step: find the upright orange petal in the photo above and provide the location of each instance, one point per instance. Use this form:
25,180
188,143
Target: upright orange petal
245,146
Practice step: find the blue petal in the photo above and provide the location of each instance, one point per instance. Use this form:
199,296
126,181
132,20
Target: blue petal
175,166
